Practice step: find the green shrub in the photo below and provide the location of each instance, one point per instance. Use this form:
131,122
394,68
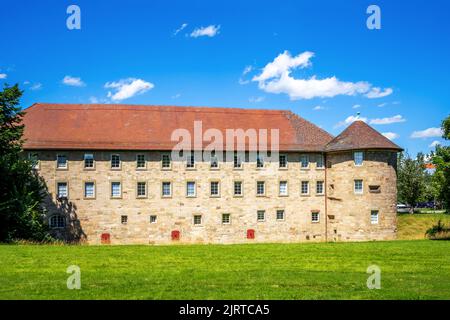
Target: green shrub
438,232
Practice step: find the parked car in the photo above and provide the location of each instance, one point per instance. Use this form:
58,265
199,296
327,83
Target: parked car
403,208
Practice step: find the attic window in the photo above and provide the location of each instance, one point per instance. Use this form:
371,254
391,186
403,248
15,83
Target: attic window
374,189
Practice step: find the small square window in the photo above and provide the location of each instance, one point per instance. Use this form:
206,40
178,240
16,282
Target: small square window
237,161
116,190
190,189
358,158
315,217
374,217
261,215
305,187
319,187
115,161
320,161
153,219
358,186
34,159
260,188
89,190
166,189
88,160
140,161
190,161
374,189
124,219
283,162
197,220
226,218
214,188
165,161
304,161
62,190
259,161
61,161
283,188
280,214
57,222
141,189
238,188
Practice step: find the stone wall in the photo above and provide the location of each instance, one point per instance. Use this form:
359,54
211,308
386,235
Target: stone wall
88,219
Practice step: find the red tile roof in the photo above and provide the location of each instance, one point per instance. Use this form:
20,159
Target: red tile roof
359,135
137,127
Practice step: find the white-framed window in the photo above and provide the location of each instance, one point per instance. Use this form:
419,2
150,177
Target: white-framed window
166,189
190,161
62,190
89,190
304,161
115,161
260,188
57,222
197,219
34,159
283,161
358,158
374,217
141,189
259,160
304,187
140,161
166,161
88,160
283,188
214,188
237,188
280,215
261,215
124,219
61,161
226,218
190,189
319,187
214,161
116,189
153,219
315,217
320,161
358,186
237,161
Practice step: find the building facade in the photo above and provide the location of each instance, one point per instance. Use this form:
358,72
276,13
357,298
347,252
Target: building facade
112,177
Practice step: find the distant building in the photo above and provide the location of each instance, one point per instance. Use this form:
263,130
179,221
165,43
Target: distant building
111,177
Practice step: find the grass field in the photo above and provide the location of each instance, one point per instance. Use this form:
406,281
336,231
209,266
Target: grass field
413,226
409,270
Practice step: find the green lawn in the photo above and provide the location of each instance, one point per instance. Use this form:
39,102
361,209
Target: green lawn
413,226
410,270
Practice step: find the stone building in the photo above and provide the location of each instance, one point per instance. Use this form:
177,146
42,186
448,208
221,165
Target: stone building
112,176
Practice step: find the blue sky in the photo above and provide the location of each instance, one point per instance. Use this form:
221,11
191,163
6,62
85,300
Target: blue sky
128,52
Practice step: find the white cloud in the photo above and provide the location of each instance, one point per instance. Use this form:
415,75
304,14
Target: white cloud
209,31
73,81
247,70
176,96
375,93
394,119
318,108
382,104
275,78
36,86
127,88
434,144
3,75
427,133
390,135
184,25
26,82
350,120
356,106
256,99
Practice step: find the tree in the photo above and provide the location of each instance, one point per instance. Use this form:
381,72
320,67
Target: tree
441,160
21,189
411,179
